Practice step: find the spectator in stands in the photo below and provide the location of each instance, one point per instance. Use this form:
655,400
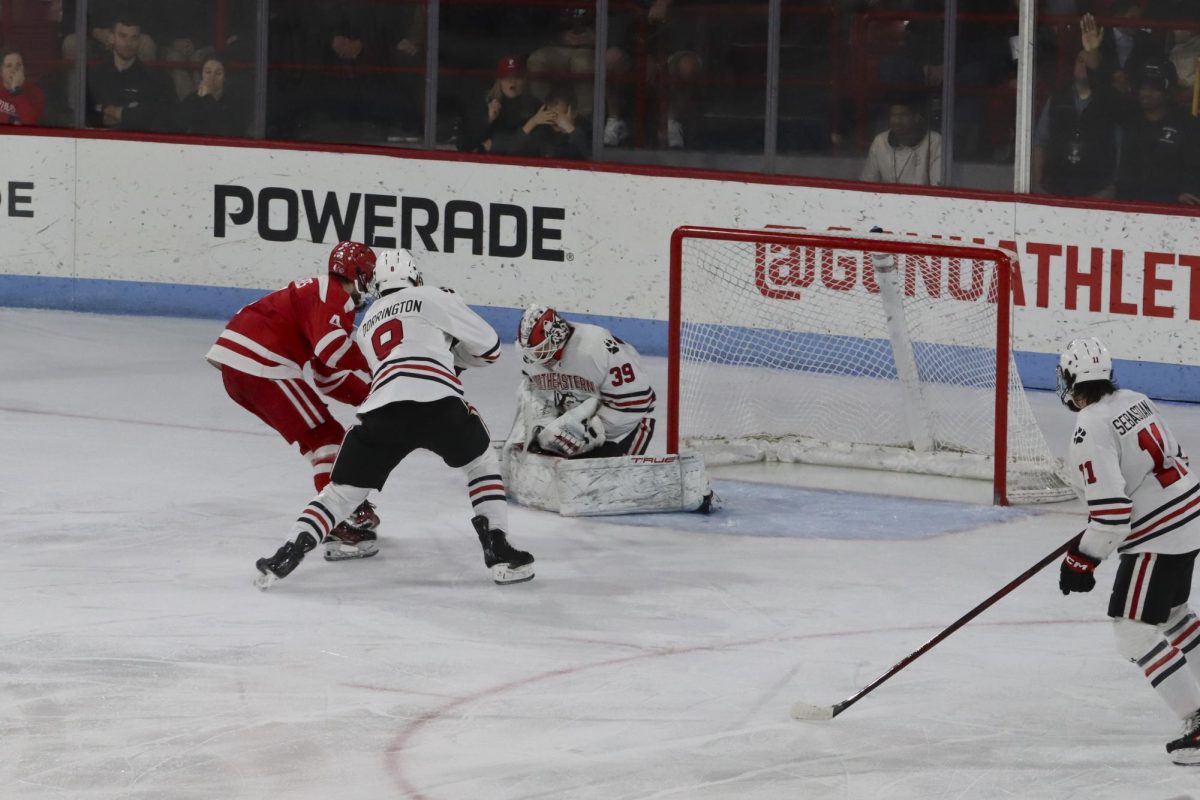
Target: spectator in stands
1075,143
21,102
1119,55
573,53
908,152
676,35
365,39
565,134
495,124
212,110
123,92
1159,144
1184,55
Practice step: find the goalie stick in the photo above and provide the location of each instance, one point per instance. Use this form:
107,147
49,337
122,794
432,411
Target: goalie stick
808,711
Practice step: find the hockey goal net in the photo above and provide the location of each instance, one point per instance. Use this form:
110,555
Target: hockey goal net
852,350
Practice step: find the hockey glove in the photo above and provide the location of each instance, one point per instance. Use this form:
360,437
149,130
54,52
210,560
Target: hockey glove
1075,575
566,437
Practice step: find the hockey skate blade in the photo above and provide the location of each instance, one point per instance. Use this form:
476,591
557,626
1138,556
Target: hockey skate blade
265,580
807,711
1186,758
503,574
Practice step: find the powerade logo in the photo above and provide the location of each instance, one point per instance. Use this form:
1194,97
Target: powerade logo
502,230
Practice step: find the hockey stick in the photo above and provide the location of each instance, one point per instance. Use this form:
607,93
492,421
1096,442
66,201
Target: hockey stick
807,711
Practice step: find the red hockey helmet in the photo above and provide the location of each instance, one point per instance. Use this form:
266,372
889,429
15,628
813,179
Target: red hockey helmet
542,334
355,262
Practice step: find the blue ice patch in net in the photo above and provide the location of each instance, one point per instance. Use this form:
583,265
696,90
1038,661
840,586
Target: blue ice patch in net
788,512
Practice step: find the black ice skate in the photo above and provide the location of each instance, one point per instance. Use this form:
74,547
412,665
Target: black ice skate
508,565
286,559
350,541
1185,750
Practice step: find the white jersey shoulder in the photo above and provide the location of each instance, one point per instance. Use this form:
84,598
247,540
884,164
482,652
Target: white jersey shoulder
414,338
1140,490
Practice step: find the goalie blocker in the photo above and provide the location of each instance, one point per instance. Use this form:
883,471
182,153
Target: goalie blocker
604,486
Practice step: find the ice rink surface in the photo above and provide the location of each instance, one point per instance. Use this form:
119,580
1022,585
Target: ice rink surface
652,657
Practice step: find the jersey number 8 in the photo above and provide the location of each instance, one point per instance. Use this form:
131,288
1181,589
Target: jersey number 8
387,337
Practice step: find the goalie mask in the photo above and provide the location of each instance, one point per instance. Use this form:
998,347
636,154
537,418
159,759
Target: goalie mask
542,334
1083,360
396,270
355,262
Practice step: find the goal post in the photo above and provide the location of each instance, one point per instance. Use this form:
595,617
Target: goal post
869,351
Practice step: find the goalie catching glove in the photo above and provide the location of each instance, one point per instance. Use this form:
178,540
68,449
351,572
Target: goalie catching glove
576,432
569,438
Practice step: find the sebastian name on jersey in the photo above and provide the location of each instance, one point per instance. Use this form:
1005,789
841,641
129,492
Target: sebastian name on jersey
413,340
1142,495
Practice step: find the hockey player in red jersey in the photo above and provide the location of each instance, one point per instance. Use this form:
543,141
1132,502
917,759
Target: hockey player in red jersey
262,354
584,393
416,339
1143,502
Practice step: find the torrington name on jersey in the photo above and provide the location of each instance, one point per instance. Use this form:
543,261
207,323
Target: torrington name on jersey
555,382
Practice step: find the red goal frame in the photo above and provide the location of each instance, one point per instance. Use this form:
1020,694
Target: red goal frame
868,244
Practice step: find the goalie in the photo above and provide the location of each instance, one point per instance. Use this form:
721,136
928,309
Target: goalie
584,395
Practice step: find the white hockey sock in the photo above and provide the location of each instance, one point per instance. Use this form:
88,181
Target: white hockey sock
1182,630
1163,664
322,514
485,487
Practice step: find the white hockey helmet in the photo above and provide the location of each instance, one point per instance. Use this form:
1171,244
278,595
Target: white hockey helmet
542,334
396,269
1083,360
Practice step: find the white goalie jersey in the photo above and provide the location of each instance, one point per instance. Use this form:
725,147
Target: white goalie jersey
415,338
1141,493
596,366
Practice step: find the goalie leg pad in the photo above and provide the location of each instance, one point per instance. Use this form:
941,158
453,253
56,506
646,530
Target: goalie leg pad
632,484
531,478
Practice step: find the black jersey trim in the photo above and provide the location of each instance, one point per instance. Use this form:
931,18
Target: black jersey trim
1103,521
1168,672
616,396
328,514
313,524
1174,525
400,361
1109,501
1167,505
400,373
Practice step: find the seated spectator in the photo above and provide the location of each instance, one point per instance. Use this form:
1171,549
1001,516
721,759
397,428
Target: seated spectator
908,152
505,108
211,110
363,40
573,53
1075,143
21,102
1120,54
1159,143
675,40
555,131
1184,55
124,93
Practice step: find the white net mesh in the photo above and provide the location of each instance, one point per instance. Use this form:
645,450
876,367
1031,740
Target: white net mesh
810,354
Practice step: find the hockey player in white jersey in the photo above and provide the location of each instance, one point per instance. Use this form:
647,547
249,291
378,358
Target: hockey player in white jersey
1143,504
584,393
416,340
